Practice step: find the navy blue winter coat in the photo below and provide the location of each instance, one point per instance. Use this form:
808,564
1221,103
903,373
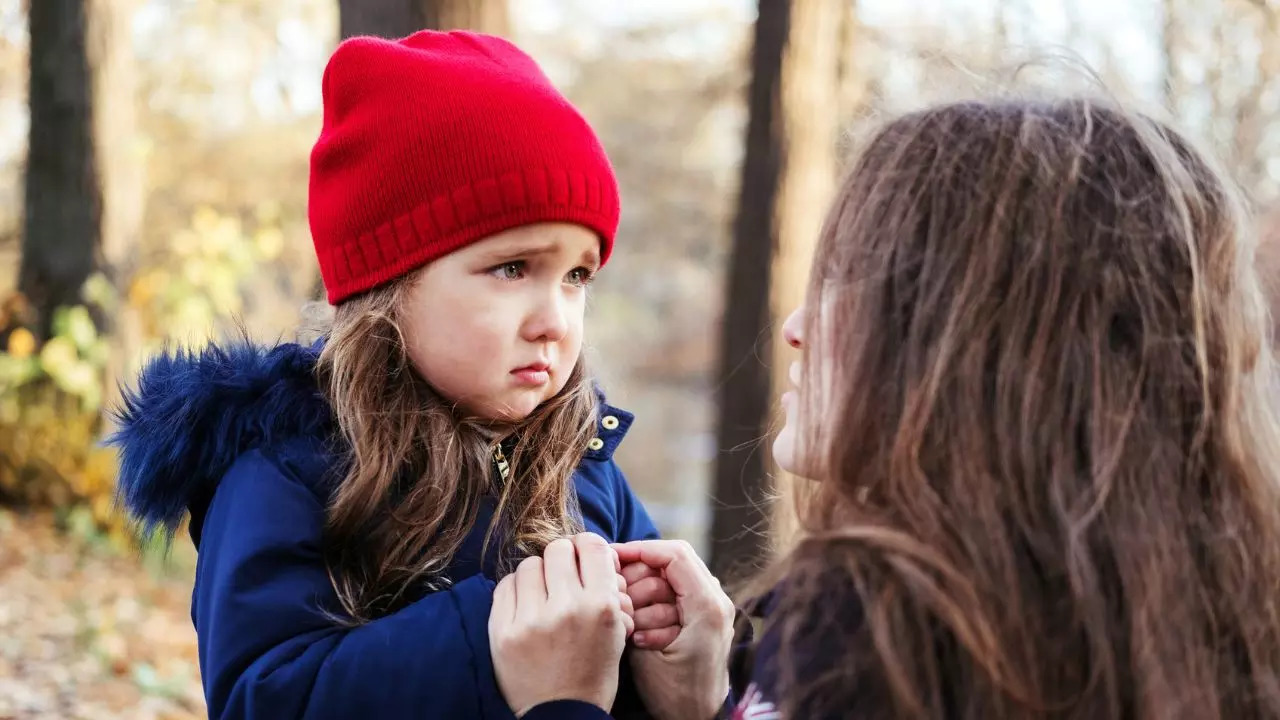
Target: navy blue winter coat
241,438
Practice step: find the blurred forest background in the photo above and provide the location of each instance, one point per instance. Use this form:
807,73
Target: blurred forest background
153,169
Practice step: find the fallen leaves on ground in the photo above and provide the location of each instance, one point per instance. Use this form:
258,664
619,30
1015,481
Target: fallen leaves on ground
90,633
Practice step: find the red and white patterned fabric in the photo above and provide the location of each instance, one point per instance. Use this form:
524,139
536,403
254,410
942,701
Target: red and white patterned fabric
754,706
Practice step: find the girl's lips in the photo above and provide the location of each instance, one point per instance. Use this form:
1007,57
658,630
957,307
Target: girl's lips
533,375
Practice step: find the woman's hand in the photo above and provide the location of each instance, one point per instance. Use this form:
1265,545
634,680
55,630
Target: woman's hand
559,625
689,679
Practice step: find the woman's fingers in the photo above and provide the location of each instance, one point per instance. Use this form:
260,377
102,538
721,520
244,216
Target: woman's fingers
560,568
679,564
568,645
628,613
530,587
597,564
504,602
628,607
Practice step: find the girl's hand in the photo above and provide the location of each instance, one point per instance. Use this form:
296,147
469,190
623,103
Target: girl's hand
557,628
657,620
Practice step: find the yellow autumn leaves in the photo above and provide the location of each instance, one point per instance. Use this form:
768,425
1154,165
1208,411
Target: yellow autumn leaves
52,394
199,279
21,343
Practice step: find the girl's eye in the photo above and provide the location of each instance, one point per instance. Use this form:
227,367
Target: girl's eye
581,276
509,271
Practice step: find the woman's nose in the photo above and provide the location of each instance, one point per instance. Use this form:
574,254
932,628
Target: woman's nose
793,328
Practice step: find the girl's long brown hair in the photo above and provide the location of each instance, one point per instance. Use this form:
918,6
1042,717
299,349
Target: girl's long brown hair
1039,385
415,472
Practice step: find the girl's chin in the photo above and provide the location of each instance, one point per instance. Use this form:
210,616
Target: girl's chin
505,411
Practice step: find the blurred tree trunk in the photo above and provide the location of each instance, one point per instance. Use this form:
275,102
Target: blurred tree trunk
737,521
489,16
83,186
398,18
62,233
787,179
381,18
122,174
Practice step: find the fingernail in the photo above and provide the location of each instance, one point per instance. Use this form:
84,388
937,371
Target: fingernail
638,638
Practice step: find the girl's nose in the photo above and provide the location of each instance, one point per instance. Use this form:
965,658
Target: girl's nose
548,320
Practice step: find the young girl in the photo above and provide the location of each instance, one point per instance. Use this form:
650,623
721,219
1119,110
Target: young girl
354,501
1034,392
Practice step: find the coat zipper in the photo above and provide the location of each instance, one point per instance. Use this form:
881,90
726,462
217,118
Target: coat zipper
499,459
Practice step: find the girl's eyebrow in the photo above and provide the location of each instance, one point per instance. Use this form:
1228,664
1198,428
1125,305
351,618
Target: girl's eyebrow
527,248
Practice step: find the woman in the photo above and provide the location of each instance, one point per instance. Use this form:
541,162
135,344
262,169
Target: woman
1033,390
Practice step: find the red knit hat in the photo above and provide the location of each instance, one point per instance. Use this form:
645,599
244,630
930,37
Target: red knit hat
438,140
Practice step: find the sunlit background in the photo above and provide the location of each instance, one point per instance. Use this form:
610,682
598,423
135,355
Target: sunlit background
199,116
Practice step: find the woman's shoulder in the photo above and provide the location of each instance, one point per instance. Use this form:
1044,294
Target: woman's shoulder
194,414
796,632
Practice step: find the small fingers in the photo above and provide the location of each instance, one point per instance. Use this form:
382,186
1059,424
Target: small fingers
658,616
655,639
680,565
651,591
637,571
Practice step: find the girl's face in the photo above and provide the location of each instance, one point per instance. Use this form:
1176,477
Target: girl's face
496,326
788,446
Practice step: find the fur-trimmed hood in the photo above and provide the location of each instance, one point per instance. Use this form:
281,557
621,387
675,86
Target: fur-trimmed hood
193,413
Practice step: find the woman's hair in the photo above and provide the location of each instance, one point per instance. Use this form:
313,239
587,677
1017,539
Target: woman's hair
415,471
1038,376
